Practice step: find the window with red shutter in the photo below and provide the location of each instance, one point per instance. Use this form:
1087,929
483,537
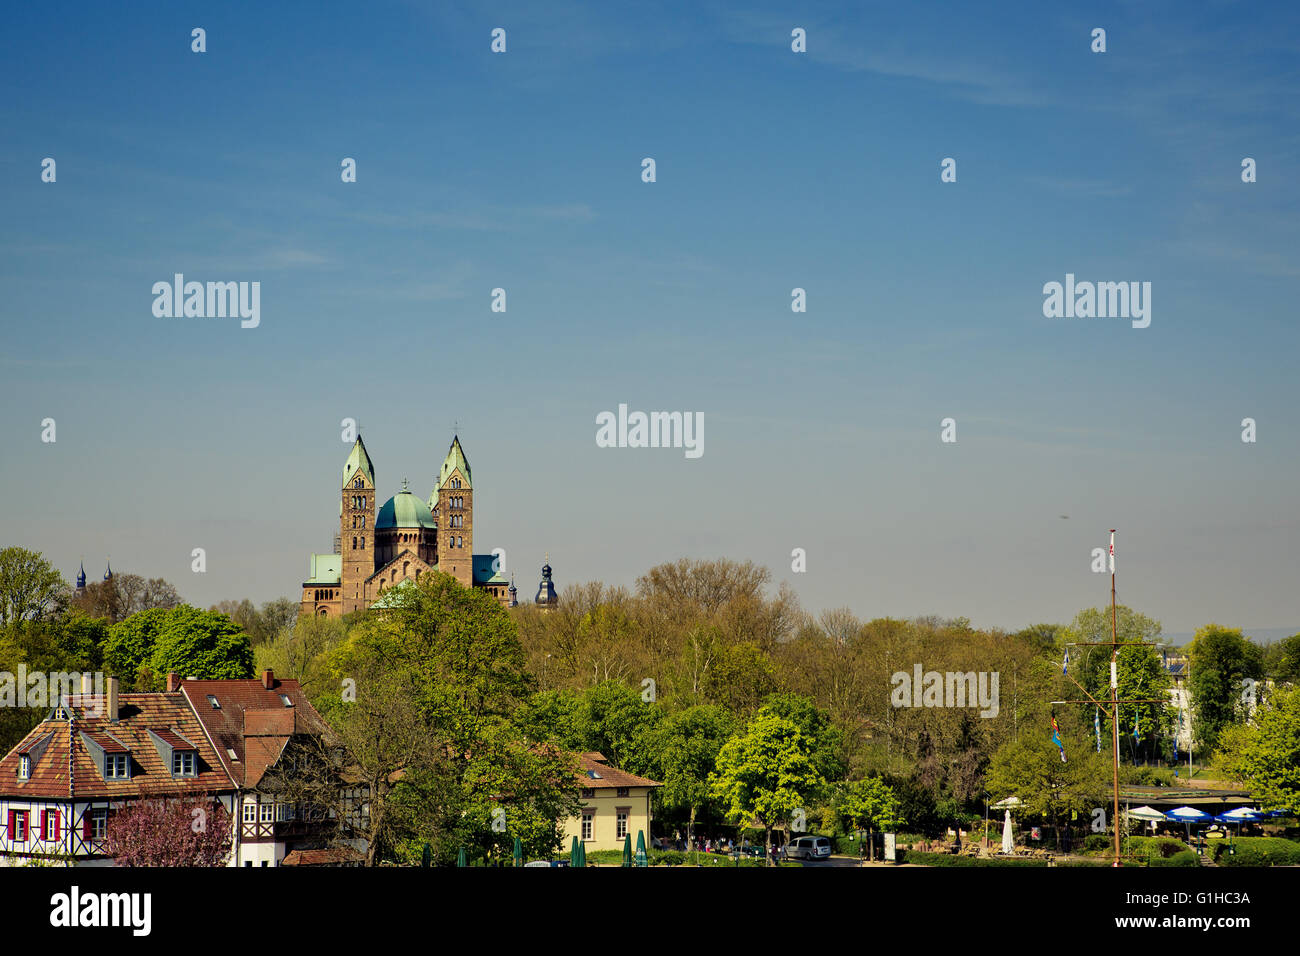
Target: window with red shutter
58,826
45,819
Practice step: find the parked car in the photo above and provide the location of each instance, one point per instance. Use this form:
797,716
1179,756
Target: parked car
808,848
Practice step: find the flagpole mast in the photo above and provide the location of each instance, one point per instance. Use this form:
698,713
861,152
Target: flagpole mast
1114,691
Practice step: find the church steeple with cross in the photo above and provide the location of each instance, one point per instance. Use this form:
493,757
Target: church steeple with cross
383,546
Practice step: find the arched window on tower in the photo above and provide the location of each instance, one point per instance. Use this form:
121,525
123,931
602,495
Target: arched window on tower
354,544
363,544
406,569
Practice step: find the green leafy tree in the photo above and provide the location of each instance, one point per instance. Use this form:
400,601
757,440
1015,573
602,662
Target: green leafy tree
687,745
1030,768
741,676
437,678
816,726
200,644
871,805
131,642
30,588
1286,660
1220,658
1140,671
1265,754
765,774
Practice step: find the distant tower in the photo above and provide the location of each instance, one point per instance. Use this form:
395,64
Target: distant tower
108,572
514,593
357,526
81,580
546,593
452,503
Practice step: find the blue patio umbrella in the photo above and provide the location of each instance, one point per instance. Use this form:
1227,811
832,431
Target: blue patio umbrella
1189,815
1239,816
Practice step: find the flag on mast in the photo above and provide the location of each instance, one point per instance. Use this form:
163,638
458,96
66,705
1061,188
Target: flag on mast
1112,550
1065,665
1056,739
1096,726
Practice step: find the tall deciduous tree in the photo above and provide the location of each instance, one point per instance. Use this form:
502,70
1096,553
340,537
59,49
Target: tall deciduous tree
1265,754
765,774
30,588
1220,658
1030,768
687,745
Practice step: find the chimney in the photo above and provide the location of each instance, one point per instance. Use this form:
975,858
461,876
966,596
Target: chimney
268,678
112,699
173,682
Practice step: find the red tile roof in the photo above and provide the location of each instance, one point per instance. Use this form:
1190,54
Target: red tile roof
252,721
138,713
175,741
333,856
610,777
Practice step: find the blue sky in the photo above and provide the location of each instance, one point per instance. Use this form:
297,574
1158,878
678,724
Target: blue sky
775,170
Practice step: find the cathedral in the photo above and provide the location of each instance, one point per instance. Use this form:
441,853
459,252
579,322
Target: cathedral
381,546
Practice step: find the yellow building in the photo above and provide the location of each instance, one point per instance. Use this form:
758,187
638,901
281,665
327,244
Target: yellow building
614,804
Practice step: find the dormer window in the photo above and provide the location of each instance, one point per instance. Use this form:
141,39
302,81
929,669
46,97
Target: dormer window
184,763
216,704
286,700
117,766
25,767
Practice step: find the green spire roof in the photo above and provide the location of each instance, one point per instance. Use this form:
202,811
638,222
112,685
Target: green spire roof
358,461
455,460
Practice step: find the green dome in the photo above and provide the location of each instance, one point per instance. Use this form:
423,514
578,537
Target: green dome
404,510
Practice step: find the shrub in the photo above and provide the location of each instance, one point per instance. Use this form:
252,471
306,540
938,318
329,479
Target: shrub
954,860
1181,858
1147,849
1258,851
1095,842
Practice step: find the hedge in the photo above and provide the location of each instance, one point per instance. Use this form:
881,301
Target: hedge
1149,849
1258,851
953,859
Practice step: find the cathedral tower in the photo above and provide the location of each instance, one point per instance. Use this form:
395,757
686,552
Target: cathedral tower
453,508
357,527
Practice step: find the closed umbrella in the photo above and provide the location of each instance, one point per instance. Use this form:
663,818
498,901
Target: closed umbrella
461,859
573,853
426,856
627,849
641,859
582,854
519,852
1008,843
